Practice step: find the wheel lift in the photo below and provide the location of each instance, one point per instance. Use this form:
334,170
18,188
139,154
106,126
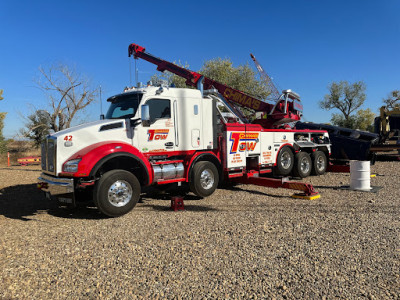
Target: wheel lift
306,189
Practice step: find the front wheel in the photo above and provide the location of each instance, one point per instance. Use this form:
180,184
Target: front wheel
116,193
302,165
204,179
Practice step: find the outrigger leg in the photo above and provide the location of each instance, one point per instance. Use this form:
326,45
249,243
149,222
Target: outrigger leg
307,189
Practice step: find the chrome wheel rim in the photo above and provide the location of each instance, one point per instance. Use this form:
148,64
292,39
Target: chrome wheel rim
320,162
206,179
286,160
120,193
304,165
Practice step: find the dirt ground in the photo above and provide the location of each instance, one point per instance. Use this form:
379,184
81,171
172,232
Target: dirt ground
241,242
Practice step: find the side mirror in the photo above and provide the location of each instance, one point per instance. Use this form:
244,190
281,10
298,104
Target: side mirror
101,117
145,115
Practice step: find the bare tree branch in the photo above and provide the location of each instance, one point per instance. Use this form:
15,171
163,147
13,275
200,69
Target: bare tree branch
68,93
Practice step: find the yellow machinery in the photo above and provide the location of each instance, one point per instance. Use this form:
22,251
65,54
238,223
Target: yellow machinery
387,125
388,122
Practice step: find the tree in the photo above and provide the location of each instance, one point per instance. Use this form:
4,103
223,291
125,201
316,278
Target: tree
362,120
3,144
339,120
393,100
38,127
365,120
68,93
347,99
242,78
170,78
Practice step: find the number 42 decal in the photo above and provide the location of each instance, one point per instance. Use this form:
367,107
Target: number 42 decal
68,138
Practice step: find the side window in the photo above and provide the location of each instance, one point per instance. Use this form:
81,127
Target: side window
159,109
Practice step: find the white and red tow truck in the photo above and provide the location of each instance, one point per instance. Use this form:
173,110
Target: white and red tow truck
159,135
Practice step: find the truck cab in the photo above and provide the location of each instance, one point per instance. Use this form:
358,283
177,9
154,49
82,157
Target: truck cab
180,122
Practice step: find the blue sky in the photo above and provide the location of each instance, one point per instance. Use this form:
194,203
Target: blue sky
303,45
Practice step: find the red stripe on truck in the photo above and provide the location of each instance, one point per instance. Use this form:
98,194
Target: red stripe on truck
92,154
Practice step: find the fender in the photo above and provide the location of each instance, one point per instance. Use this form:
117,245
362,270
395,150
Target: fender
196,157
95,155
277,153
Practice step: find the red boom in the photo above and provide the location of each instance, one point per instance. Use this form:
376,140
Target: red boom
192,79
237,97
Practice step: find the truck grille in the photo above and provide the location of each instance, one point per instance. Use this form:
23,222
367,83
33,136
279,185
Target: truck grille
49,155
44,155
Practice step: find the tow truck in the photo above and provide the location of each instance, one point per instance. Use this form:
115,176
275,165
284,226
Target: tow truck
158,135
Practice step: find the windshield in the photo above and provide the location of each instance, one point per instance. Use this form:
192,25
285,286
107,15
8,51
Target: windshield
123,106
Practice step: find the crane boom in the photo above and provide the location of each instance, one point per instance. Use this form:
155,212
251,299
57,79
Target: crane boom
285,110
264,76
238,97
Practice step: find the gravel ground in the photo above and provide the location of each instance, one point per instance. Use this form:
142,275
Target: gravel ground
243,242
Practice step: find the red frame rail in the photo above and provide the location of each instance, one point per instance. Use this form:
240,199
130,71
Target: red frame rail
306,188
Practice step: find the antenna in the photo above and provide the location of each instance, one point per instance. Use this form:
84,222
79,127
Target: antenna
274,95
136,73
130,71
101,104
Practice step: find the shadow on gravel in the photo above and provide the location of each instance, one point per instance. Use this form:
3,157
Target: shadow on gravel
167,196
197,208
329,187
21,201
388,157
237,188
25,200
80,212
154,194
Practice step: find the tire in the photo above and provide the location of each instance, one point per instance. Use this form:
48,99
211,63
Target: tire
319,163
116,193
377,125
302,165
204,179
284,162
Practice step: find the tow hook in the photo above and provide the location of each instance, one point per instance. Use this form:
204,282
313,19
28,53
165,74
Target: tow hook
83,184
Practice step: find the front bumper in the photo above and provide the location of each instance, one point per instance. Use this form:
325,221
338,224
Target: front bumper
55,187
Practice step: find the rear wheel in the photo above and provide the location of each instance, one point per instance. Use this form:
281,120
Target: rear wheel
204,179
320,163
284,162
116,193
302,165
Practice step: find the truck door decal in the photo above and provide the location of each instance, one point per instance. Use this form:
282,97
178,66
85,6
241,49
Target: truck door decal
243,141
157,134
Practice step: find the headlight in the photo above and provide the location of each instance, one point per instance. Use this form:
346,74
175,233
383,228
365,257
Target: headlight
71,166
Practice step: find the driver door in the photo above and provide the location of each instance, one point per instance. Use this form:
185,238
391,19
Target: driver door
160,135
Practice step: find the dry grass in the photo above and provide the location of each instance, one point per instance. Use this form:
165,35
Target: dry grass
18,149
